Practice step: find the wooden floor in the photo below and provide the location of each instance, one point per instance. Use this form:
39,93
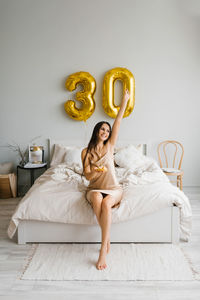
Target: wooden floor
12,258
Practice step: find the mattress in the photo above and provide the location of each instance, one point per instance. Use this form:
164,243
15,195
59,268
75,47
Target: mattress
58,195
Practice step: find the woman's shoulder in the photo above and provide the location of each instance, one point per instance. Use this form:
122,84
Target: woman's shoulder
83,152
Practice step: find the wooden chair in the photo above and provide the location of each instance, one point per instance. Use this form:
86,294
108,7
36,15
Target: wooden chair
172,171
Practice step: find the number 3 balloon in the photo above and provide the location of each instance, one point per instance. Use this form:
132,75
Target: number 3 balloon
85,96
108,91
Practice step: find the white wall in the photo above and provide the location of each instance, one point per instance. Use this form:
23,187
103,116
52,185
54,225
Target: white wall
44,41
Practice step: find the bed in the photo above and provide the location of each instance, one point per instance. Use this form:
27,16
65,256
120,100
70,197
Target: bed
55,209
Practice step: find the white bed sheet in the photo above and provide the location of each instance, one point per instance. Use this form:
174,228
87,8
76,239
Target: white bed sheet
55,198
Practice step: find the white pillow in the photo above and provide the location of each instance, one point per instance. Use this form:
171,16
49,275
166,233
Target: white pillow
69,155
129,157
138,147
58,155
72,157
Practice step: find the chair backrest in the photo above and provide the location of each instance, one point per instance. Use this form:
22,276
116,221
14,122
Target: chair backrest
162,147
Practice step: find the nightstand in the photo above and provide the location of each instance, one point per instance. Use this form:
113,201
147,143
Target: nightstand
32,173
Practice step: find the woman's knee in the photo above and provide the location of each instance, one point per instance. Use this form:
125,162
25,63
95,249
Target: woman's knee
107,202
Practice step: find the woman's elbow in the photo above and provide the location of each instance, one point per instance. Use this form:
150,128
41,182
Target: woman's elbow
87,176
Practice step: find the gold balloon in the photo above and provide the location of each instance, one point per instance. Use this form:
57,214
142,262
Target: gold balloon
85,96
108,91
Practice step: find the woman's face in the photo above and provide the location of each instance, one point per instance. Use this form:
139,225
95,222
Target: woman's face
104,132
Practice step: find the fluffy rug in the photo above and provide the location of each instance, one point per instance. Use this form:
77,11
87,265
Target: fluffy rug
124,262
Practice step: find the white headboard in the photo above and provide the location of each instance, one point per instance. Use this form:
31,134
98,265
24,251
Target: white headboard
72,142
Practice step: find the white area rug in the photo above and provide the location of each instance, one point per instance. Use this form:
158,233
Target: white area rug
124,262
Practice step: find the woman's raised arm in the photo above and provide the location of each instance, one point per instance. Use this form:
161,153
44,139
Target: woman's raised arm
116,124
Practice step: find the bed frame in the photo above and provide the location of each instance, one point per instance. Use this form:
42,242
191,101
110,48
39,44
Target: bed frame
159,227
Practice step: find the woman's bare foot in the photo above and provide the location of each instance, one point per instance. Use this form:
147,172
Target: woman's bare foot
101,263
108,246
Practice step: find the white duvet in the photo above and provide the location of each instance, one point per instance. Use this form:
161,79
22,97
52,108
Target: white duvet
59,196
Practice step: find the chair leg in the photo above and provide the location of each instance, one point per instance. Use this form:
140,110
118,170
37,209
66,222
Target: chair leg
181,183
178,181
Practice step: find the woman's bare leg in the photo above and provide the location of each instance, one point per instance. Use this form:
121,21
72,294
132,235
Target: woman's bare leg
105,220
96,199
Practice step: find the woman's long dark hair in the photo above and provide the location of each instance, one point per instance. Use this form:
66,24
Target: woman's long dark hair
94,139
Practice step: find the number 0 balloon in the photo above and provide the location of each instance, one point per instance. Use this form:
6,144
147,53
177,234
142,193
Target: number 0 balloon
108,91
85,96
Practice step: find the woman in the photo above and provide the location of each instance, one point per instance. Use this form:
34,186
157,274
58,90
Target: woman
103,192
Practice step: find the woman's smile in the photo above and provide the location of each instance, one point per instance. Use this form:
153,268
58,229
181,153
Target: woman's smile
104,136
